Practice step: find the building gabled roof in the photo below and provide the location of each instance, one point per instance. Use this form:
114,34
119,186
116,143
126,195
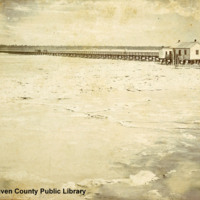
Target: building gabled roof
186,45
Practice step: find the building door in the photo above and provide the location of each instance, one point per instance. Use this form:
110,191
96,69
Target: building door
170,55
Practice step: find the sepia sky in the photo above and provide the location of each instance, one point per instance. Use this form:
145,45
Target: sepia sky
99,22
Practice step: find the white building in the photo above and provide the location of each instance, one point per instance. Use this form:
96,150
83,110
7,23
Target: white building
187,51
166,52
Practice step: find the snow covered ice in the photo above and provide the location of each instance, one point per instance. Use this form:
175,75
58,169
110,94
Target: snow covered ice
121,129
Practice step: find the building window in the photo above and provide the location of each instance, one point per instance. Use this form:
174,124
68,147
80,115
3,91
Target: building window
179,52
197,52
185,51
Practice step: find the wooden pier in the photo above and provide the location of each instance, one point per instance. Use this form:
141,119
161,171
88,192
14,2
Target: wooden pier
129,56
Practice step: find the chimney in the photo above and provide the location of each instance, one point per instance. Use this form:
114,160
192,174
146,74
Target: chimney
195,40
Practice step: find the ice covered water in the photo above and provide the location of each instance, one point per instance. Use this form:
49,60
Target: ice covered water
120,129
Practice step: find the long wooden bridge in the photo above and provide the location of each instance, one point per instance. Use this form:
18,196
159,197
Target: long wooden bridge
115,53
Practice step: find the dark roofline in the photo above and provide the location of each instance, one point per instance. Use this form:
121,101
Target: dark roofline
91,47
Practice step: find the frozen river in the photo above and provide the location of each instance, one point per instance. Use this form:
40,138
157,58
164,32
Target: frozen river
122,130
